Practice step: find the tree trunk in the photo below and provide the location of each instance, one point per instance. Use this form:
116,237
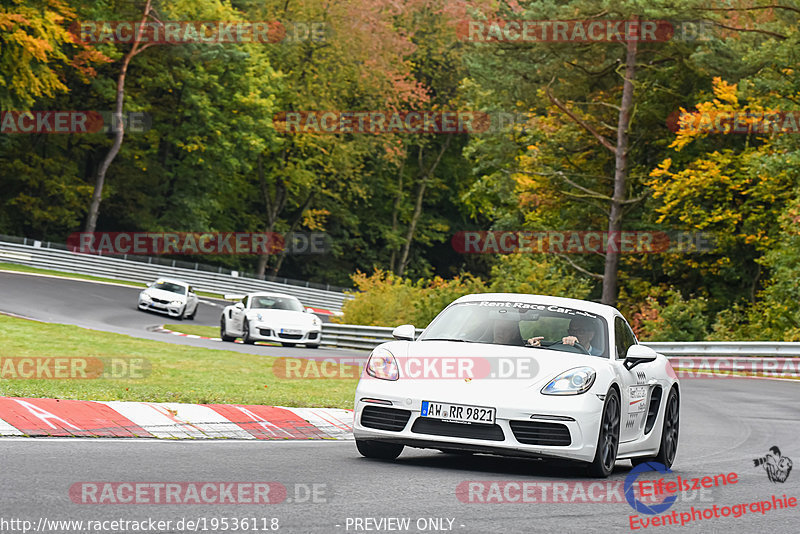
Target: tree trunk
412,225
273,208
292,228
119,134
396,213
610,272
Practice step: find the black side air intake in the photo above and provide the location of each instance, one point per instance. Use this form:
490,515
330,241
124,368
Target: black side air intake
652,410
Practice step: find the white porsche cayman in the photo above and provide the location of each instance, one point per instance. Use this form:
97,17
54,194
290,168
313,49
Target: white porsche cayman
520,375
270,317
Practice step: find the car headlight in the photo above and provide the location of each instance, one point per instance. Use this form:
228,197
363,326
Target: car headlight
176,303
572,382
382,365
144,296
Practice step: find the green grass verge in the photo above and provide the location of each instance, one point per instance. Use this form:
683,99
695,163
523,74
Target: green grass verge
177,373
27,269
194,329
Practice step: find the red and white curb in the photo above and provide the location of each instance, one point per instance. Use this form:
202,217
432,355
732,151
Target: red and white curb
162,330
73,418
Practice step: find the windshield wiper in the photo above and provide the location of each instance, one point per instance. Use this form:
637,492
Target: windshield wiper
447,339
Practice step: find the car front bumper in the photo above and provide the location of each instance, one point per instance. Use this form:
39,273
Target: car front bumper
287,334
166,309
520,429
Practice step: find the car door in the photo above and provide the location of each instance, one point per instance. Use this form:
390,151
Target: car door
238,314
636,394
192,301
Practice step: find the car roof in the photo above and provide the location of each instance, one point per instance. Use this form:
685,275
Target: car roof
172,281
585,305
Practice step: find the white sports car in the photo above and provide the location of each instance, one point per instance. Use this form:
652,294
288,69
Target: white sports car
520,375
270,317
172,297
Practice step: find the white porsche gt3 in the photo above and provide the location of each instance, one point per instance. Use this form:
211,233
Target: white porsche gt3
521,375
270,317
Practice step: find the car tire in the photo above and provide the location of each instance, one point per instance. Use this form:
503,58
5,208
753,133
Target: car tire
314,346
179,317
378,449
669,434
223,333
288,344
605,455
194,312
246,333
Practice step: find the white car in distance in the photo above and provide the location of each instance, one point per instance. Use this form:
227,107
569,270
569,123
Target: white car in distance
273,317
171,297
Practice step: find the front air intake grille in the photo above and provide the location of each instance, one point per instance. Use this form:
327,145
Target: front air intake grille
290,336
265,332
536,433
384,418
436,427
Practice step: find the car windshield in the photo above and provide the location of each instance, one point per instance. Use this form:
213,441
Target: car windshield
276,303
169,286
513,323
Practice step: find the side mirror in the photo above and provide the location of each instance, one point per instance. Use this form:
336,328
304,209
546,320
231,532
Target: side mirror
405,332
638,354
307,310
239,305
151,284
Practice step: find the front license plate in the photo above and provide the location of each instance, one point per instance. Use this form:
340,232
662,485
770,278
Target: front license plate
290,331
458,412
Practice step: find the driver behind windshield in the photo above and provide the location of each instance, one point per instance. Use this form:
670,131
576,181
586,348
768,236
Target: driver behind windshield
581,330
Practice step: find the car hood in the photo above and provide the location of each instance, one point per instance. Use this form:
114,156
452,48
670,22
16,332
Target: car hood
164,295
285,318
495,365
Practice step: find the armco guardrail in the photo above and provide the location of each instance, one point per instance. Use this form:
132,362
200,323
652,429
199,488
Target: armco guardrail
368,337
36,254
356,336
728,348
